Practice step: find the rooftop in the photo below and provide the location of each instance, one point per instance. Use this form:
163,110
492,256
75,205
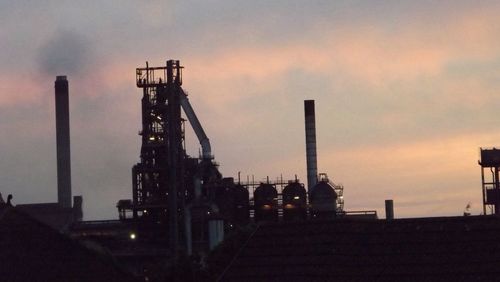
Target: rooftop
33,251
430,249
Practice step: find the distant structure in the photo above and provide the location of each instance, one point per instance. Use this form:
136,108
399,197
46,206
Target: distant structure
182,205
311,156
171,190
389,209
62,214
326,199
490,161
63,144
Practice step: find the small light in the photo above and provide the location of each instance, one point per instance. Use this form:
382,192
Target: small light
296,197
152,138
208,213
145,211
132,236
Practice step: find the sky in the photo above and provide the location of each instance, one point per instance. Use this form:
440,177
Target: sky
405,94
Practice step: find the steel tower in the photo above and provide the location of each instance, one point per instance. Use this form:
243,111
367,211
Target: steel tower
490,160
158,179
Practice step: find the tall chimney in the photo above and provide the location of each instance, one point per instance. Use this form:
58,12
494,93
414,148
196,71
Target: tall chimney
310,123
62,139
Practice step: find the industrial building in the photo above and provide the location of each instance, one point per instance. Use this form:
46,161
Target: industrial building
186,218
33,251
182,205
65,212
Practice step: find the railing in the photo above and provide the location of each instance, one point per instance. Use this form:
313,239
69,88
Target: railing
98,222
372,212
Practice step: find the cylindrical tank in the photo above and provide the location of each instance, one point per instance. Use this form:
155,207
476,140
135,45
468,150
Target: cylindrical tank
323,200
225,201
294,202
233,202
241,202
266,203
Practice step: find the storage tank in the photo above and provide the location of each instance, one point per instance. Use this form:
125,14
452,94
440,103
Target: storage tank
266,202
242,205
323,200
294,201
233,202
224,200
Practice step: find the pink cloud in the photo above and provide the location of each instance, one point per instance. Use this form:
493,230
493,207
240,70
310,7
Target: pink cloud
20,88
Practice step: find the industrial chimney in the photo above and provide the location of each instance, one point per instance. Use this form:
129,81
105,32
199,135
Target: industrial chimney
310,123
62,139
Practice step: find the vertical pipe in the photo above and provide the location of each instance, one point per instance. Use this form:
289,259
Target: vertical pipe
178,78
173,166
135,190
63,142
497,192
170,71
484,190
187,231
310,125
176,159
389,209
215,232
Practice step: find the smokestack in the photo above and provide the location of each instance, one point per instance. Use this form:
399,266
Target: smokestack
389,209
310,123
62,139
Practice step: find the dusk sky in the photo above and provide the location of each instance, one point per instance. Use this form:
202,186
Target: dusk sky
405,94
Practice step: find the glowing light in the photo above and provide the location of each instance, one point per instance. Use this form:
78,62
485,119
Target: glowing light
132,236
296,197
152,138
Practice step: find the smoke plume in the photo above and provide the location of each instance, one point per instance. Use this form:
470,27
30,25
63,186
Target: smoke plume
66,53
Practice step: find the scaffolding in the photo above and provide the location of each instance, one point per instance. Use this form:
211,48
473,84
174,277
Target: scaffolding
158,179
490,161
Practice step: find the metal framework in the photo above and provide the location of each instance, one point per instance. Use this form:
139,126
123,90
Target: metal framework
158,179
490,160
280,183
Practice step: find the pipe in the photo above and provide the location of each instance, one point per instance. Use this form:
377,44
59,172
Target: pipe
196,125
63,142
197,187
389,209
310,126
187,230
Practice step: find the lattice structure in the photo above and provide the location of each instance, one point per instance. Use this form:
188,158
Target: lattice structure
158,179
490,160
